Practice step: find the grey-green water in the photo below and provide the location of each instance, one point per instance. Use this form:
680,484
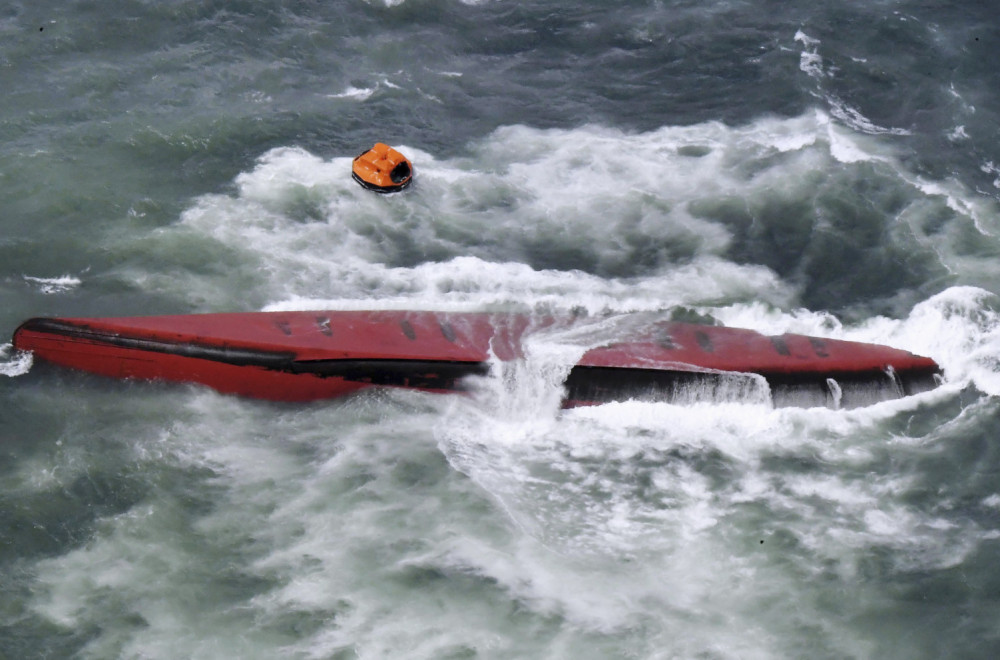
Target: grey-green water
821,168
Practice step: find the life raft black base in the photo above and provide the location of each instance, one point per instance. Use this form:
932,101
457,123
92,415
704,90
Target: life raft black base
382,169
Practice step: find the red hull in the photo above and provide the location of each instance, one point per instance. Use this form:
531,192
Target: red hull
301,356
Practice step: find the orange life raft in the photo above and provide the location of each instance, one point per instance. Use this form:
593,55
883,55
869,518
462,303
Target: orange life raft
382,169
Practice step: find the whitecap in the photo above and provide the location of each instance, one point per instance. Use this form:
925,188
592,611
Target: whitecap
14,362
958,133
990,168
853,118
355,93
52,285
810,61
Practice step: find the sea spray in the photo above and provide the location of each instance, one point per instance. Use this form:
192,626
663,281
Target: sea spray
14,362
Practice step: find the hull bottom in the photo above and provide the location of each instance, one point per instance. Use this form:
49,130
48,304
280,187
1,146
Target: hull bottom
307,356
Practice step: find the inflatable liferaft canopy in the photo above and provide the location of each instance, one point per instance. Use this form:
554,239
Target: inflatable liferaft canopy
382,169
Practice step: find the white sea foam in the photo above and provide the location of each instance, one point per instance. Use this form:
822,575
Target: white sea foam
604,518
852,117
53,285
356,93
14,362
990,168
810,61
403,520
320,241
957,134
812,64
615,520
575,488
348,235
603,198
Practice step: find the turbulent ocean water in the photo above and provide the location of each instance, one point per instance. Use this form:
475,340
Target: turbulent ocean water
828,168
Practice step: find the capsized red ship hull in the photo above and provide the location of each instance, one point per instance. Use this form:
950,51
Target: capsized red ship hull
303,356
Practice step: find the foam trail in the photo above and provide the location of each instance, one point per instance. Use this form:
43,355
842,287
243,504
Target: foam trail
640,483
811,63
52,285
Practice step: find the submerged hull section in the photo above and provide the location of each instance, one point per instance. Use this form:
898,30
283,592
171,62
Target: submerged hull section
302,356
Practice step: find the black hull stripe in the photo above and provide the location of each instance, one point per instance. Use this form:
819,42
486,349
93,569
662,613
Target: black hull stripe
432,374
229,355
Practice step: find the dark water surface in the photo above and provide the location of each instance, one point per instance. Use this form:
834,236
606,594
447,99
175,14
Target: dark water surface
827,168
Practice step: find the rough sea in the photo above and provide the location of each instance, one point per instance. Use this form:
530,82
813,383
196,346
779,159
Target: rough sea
823,167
